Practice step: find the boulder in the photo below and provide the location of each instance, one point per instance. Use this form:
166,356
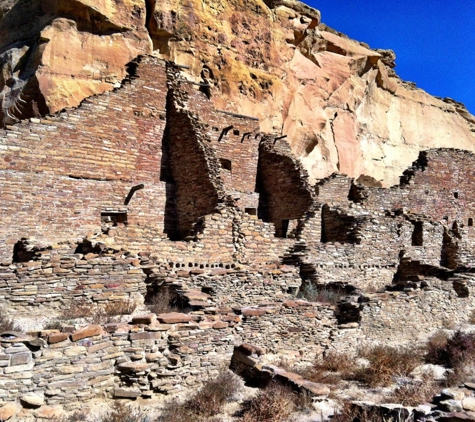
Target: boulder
32,400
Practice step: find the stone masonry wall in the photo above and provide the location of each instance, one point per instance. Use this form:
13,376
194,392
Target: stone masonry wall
440,185
284,192
59,173
234,139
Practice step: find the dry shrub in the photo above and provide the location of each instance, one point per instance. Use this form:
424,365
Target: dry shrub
456,352
350,413
273,404
206,403
121,412
415,392
120,307
6,324
331,368
163,301
386,362
343,363
322,294
53,324
95,314
76,309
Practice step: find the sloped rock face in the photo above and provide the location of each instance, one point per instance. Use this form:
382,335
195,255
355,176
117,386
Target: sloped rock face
55,53
340,102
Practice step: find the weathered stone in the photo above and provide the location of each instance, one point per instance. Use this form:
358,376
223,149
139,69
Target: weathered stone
468,403
75,351
247,312
173,318
32,400
146,335
90,331
122,393
457,417
134,367
144,319
19,368
57,337
20,358
451,405
7,411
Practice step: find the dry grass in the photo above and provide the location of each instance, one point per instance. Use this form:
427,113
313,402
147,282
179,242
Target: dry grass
121,412
322,294
162,302
207,403
415,392
119,308
331,368
456,352
273,404
387,362
76,309
350,413
95,314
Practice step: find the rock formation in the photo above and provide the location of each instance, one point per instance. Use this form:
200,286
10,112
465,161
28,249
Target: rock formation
190,178
340,103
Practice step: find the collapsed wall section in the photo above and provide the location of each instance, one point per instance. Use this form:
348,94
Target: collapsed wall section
439,185
285,195
194,166
234,140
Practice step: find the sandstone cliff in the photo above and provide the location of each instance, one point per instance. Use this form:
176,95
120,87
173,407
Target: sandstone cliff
341,104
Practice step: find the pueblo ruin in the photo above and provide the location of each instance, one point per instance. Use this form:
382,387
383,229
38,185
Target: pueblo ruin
237,183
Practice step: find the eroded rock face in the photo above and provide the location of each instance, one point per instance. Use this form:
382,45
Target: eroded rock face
341,104
55,53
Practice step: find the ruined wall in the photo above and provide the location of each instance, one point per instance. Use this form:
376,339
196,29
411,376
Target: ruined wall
59,173
194,166
234,139
117,360
334,189
282,182
399,317
439,185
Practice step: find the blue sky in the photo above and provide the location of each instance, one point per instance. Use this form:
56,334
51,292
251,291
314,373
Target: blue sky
434,40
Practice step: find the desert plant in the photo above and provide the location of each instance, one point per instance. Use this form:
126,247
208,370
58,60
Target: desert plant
331,368
76,309
53,324
120,307
275,403
386,362
121,412
96,314
414,392
323,294
350,413
457,353
206,403
163,301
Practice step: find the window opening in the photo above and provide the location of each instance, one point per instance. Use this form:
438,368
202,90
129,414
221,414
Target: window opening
285,227
251,211
225,164
114,218
418,234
